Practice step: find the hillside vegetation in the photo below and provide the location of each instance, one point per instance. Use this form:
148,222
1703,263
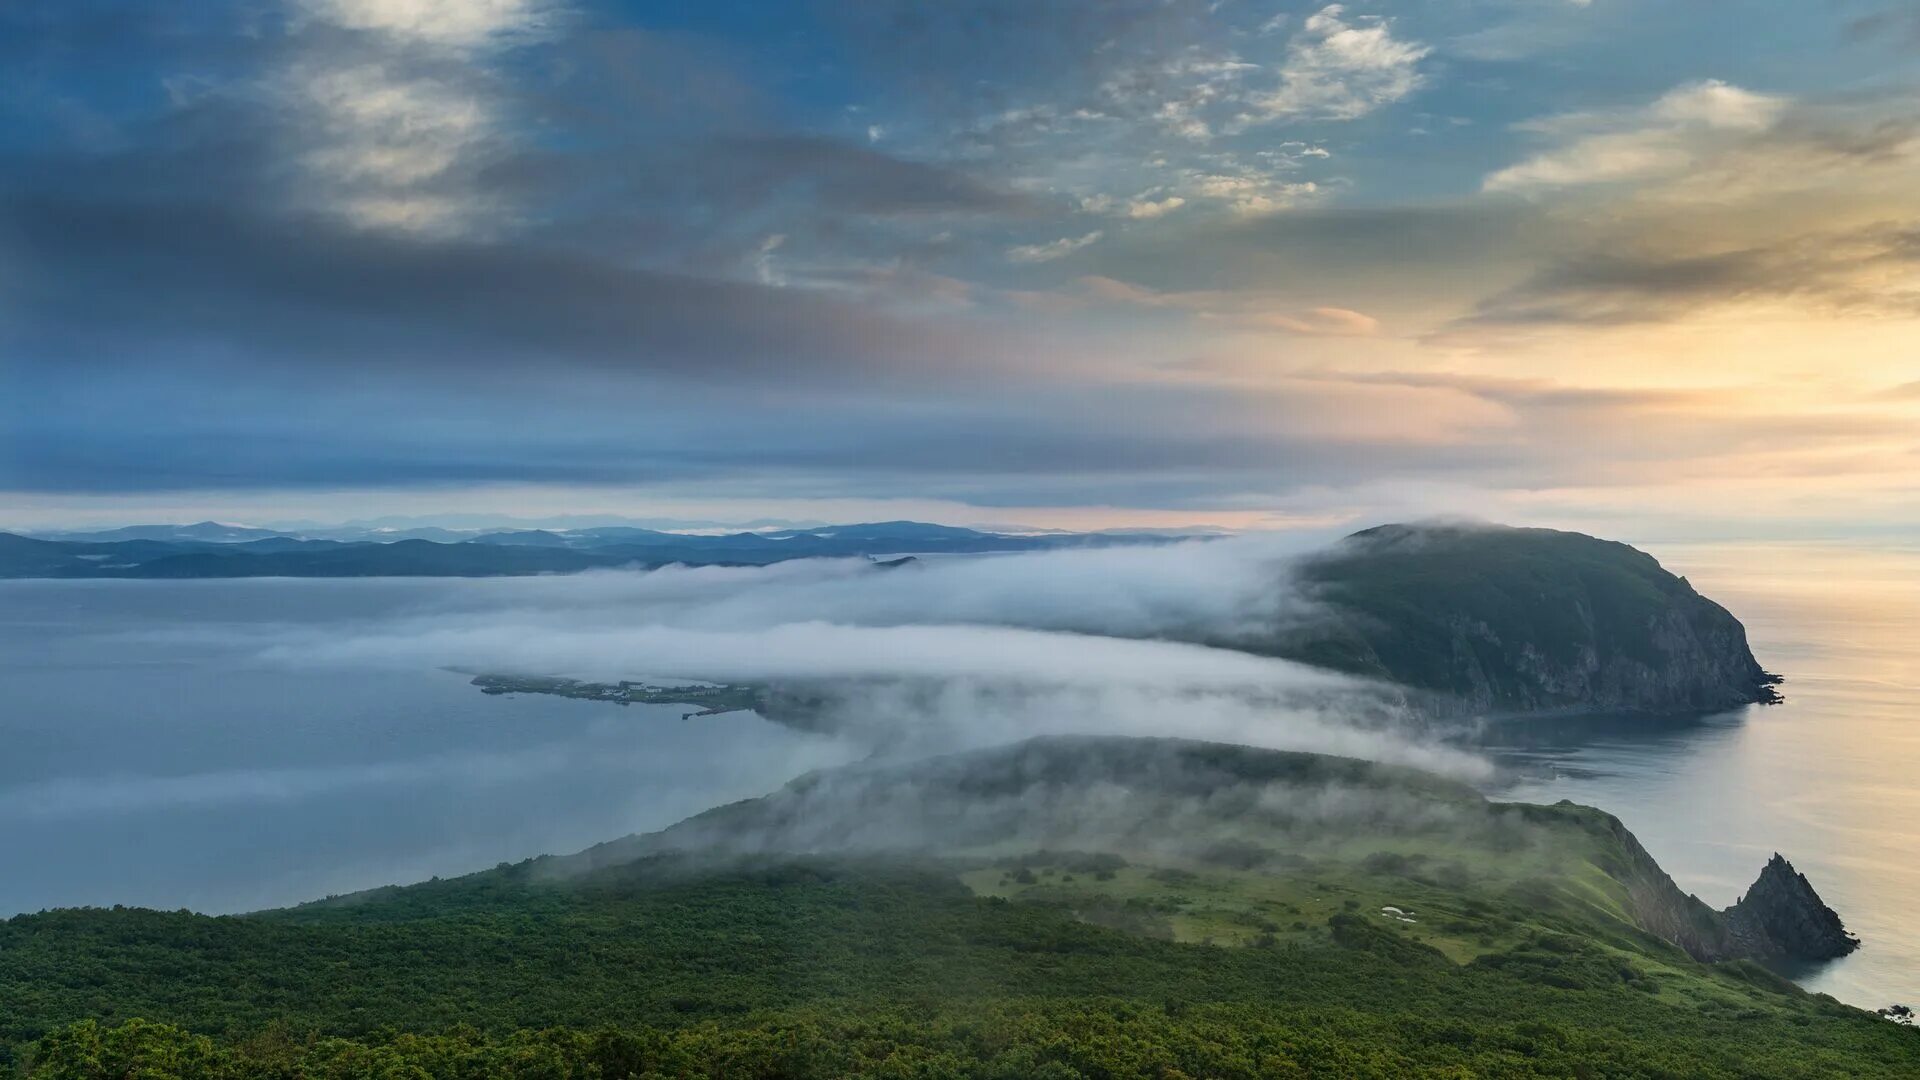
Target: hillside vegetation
1242,913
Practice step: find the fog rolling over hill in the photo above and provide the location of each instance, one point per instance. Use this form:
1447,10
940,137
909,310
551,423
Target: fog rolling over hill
954,539
1197,804
1472,618
1117,906
1448,621
1025,871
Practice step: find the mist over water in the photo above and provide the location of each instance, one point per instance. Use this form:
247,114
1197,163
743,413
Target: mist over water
947,655
230,745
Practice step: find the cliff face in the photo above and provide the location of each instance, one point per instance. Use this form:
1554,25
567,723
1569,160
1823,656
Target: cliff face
1661,908
1779,918
1488,619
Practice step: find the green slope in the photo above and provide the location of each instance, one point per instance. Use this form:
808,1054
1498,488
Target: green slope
1258,947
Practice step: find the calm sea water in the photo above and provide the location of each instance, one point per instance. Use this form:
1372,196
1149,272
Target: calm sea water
149,755
1830,779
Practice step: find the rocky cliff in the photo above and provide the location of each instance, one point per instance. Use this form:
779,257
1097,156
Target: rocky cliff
1490,619
1781,917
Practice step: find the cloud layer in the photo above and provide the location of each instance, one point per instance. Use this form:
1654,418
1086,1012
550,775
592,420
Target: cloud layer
1150,255
963,652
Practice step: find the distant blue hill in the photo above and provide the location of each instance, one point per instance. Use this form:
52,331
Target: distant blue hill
205,532
210,550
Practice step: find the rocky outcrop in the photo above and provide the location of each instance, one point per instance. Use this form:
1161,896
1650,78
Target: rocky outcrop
1490,619
1781,917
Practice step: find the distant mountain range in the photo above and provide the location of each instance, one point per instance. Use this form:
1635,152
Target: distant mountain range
212,532
214,550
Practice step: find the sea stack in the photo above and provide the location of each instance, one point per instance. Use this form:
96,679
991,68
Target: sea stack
1781,917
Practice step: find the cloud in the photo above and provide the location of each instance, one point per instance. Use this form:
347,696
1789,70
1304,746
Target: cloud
1898,26
453,24
1715,104
206,278
1251,310
1251,193
1635,439
1665,138
1064,794
1713,199
1856,272
504,242
1052,249
1329,321
1177,95
393,129
388,150
1244,190
805,651
1234,589
837,175
1199,87
1337,69
1146,207
1163,107
950,654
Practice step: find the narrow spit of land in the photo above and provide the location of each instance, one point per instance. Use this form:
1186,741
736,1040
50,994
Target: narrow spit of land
711,699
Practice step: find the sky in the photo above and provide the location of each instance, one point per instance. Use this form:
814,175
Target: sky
1633,266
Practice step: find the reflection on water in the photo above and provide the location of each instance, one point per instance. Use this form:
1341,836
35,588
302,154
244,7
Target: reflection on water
1551,745
1830,779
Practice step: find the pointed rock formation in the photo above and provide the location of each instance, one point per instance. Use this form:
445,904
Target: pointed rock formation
1782,917
1779,918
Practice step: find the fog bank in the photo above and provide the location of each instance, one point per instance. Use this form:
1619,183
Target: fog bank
940,654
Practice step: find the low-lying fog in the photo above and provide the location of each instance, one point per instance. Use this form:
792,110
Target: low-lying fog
234,744
942,654
228,745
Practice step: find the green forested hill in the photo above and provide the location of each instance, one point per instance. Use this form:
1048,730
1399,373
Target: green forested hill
1433,949
1497,619
816,969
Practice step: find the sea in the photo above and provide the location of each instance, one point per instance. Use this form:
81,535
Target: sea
1830,778
153,753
